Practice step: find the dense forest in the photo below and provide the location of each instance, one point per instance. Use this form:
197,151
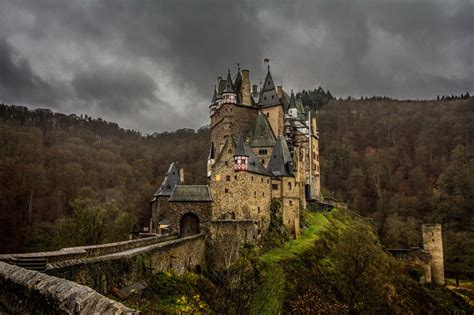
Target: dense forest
400,163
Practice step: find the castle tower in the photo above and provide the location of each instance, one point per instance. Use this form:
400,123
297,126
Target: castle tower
433,243
271,105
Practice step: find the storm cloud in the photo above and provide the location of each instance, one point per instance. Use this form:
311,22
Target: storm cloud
151,65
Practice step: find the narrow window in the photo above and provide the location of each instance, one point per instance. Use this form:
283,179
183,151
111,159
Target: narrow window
227,178
289,185
255,194
226,190
235,177
291,203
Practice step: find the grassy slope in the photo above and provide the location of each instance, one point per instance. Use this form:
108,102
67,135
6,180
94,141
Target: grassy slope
267,300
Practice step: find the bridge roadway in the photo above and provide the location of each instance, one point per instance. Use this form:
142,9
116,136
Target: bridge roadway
40,260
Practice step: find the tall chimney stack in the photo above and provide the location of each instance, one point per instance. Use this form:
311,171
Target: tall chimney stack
280,91
181,176
245,89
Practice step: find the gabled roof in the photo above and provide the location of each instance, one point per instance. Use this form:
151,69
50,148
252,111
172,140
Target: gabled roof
268,95
280,162
262,134
171,180
254,163
191,193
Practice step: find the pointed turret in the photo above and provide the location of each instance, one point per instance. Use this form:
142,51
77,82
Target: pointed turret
241,156
293,110
300,107
229,95
281,163
229,86
268,94
238,80
214,96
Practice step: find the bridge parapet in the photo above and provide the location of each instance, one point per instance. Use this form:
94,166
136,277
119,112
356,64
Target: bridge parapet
81,252
27,291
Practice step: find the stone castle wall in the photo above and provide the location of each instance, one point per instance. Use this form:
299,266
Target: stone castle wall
276,117
25,291
226,239
200,208
230,120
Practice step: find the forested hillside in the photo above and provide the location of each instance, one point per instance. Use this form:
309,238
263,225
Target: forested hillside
399,162
49,160
403,163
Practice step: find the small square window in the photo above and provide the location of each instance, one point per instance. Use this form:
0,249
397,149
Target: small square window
227,178
226,163
226,190
275,186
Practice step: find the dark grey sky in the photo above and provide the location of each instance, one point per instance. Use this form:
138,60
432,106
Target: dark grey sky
151,65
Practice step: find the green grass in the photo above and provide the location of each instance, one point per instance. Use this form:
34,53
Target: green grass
268,298
317,222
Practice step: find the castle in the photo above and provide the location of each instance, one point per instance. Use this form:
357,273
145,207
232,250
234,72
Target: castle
263,145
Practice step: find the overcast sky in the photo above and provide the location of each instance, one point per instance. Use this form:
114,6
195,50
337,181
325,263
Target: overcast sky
151,65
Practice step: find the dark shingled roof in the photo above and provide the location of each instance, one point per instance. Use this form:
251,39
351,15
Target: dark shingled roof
238,81
214,96
268,95
292,100
229,86
301,111
240,147
286,102
191,193
171,180
262,134
279,164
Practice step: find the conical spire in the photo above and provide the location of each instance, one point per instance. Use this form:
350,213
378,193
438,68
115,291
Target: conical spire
281,163
229,86
214,96
171,179
238,79
268,95
292,100
240,147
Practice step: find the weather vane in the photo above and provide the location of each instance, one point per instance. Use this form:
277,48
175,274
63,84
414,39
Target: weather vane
267,61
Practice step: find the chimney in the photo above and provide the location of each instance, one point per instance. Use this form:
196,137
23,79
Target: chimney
245,89
254,89
181,176
280,91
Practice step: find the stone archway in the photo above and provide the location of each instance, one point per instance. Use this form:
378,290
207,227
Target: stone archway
189,225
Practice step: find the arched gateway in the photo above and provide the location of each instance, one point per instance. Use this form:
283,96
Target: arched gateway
189,225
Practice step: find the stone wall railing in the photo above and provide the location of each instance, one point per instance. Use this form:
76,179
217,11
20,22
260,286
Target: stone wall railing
26,291
71,253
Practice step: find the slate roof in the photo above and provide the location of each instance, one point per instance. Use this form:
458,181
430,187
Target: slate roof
229,86
170,181
191,193
238,81
240,147
262,134
292,100
286,102
268,95
279,164
254,164
214,96
300,107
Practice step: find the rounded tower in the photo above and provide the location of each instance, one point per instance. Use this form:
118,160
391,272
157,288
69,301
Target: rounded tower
433,243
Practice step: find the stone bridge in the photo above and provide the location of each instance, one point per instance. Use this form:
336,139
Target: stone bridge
61,281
